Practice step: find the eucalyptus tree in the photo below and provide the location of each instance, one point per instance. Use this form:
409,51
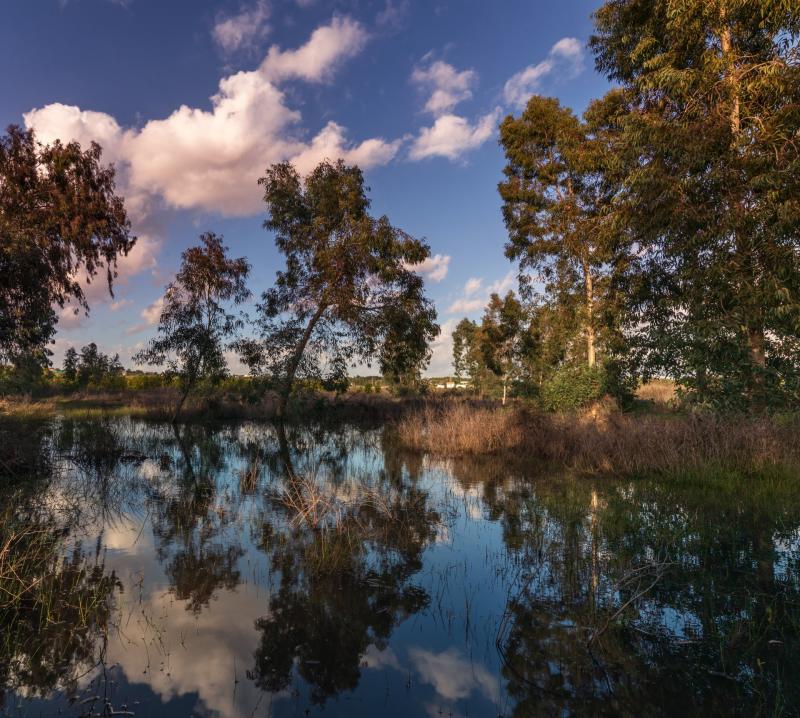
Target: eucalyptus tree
556,207
196,324
60,223
468,359
712,89
347,292
503,337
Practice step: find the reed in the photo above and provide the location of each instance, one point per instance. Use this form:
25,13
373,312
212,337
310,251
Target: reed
604,442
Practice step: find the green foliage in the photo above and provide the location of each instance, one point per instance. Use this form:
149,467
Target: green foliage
710,175
60,220
347,292
573,387
195,323
558,208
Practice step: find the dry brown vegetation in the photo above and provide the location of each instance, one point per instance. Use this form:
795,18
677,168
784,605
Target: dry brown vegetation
159,404
659,391
602,441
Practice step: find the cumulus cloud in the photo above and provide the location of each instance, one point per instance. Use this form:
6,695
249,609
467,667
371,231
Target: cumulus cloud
476,296
318,59
433,268
243,30
447,86
564,58
451,136
210,159
331,142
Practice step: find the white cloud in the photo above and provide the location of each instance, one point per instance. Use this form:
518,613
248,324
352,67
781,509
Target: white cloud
451,136
120,304
565,58
243,30
441,363
210,159
330,143
433,268
318,59
393,14
476,296
151,315
447,86
473,285
152,312
466,306
453,676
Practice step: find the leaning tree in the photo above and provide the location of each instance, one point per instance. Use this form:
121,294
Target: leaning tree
347,293
60,223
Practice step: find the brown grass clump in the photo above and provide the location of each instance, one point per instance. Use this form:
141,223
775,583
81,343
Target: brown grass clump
461,429
605,442
659,391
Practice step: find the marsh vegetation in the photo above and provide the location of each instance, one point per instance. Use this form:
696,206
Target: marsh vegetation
241,567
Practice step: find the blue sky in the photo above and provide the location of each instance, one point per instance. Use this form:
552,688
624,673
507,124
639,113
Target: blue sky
193,99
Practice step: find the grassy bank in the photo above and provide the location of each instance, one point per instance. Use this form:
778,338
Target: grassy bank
604,442
159,404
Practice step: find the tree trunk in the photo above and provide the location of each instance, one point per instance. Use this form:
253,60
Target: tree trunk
505,381
758,357
294,363
180,406
588,281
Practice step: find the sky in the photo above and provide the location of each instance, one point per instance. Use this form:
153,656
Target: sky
192,100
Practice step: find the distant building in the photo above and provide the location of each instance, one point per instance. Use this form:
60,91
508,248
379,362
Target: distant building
450,384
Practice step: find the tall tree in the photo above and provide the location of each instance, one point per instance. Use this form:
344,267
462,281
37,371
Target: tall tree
92,364
71,364
556,206
713,96
347,292
503,337
60,222
468,360
195,321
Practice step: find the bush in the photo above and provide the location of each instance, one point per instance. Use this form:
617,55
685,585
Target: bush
573,387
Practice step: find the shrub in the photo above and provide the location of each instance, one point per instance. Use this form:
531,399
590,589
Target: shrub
573,387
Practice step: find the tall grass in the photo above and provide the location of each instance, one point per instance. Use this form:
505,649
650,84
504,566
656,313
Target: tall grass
461,428
605,442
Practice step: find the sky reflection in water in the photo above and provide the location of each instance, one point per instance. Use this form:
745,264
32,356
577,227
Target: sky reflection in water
329,573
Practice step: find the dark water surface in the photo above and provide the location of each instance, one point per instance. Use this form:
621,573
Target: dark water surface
229,571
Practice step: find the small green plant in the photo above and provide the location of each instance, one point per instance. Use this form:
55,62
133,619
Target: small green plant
573,387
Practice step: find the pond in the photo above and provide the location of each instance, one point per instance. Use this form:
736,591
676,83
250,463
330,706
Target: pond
237,570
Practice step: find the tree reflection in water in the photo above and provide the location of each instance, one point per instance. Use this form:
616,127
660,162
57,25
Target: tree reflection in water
653,596
56,601
595,596
345,572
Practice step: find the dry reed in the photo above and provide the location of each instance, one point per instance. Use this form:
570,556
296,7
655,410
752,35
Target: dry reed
600,443
461,428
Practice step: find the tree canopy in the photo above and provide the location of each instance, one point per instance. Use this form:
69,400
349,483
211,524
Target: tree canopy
196,325
347,292
710,202
556,206
61,222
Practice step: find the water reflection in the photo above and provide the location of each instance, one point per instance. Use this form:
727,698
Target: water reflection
243,570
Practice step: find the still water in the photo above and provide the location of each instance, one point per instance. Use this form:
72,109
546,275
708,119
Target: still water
235,571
